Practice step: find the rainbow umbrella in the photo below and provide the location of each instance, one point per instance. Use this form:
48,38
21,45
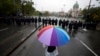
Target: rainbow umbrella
53,36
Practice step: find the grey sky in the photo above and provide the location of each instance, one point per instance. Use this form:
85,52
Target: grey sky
58,5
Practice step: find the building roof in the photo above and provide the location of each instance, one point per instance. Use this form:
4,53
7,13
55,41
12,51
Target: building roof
76,5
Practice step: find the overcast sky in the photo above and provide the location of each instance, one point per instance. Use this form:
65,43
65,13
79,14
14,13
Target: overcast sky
58,5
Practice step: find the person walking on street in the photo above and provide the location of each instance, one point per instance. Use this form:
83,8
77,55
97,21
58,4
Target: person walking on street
67,22
51,51
60,22
70,26
63,24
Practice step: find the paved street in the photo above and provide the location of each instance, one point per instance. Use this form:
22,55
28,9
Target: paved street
90,38
21,22
78,46
12,35
82,43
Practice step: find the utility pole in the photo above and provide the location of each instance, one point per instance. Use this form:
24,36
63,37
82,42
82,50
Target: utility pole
64,6
88,12
89,5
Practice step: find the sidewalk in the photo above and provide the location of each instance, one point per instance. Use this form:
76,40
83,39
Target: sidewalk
2,25
17,39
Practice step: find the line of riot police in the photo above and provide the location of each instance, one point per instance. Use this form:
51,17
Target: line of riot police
49,21
75,25
18,20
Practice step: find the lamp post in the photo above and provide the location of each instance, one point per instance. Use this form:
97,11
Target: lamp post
89,4
64,6
64,10
88,13
89,7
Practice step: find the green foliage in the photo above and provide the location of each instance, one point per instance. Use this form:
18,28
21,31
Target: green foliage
6,7
36,13
46,13
28,9
11,7
92,14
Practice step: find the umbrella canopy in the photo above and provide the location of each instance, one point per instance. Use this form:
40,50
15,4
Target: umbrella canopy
53,36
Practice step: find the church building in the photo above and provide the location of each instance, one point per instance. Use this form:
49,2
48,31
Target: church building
75,11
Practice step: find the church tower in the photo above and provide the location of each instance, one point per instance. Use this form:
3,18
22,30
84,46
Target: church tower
76,5
75,10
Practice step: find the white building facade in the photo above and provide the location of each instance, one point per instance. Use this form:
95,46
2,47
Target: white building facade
75,11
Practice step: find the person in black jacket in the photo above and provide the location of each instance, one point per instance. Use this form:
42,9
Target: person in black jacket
70,26
39,19
60,22
35,19
43,21
67,22
49,21
63,24
75,26
53,21
56,22
51,51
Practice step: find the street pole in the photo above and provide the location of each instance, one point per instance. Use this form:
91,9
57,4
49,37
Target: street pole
22,9
64,7
89,5
88,12
64,10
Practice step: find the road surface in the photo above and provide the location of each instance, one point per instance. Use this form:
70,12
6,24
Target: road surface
76,47
11,36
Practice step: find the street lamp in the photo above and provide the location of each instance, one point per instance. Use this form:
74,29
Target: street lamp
64,6
88,13
64,10
89,5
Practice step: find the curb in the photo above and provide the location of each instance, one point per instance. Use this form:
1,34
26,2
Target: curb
15,47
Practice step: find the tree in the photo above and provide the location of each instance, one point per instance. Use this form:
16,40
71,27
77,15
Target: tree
46,13
27,8
6,7
37,13
93,14
12,7
98,1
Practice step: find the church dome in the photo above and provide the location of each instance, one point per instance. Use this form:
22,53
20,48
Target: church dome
76,5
